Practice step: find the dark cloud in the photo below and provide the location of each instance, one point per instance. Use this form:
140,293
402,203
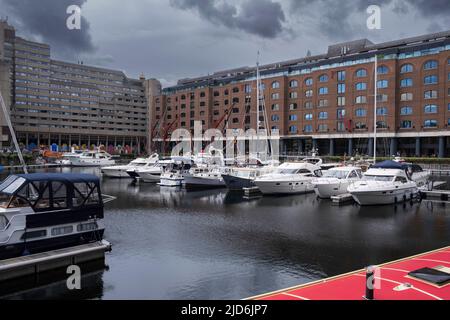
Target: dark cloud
336,21
45,20
263,18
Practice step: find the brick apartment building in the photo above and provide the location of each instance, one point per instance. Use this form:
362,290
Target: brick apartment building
327,101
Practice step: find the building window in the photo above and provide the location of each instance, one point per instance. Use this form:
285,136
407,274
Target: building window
406,124
235,110
293,106
406,83
381,125
293,84
433,79
183,97
307,128
360,126
293,129
382,111
308,105
340,126
293,95
235,90
431,108
361,86
430,94
360,73
275,96
406,96
323,90
275,117
323,115
308,116
406,68
430,64
309,93
341,88
275,85
341,75
405,111
226,92
309,81
202,95
323,103
248,88
341,101
340,113
322,127
430,124
361,99
382,70
216,93
360,112
292,117
323,78
275,107
382,84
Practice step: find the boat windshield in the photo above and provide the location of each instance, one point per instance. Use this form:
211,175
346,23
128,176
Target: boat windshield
287,171
335,174
378,178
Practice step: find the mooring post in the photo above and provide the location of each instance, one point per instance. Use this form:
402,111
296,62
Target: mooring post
370,282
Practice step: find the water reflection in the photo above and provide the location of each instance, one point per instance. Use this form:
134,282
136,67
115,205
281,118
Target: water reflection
170,243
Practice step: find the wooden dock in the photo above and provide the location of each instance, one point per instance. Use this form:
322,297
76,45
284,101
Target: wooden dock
392,282
342,199
252,193
46,261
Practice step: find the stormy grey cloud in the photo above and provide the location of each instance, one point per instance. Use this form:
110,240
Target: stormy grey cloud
45,20
263,18
344,20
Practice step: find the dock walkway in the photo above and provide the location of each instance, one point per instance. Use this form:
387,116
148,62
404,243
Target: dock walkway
394,282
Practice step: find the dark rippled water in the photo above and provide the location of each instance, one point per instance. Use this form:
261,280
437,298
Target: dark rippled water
173,244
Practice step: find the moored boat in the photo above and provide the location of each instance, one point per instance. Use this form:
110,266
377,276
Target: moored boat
335,181
47,211
384,183
122,171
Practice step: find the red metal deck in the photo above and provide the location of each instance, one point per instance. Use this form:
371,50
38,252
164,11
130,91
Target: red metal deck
391,275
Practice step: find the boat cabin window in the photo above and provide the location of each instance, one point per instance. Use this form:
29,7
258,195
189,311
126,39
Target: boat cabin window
59,191
85,193
353,174
287,171
34,234
401,179
59,231
3,222
378,178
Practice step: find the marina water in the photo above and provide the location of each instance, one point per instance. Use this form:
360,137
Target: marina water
213,244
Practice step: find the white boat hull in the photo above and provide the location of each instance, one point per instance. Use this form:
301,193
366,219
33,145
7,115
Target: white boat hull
115,172
326,191
284,187
91,162
151,177
374,197
191,181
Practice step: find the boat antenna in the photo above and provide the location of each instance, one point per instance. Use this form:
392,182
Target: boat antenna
13,135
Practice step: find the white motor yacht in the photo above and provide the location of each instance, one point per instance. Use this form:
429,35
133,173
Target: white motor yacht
172,172
122,171
383,184
289,178
93,159
204,177
335,181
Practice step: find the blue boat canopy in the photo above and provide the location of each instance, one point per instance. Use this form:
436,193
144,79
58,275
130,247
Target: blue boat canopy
389,164
13,183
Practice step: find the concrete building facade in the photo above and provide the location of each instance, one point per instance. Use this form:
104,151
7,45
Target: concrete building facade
69,104
327,101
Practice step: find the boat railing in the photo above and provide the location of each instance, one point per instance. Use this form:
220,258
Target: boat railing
108,198
13,219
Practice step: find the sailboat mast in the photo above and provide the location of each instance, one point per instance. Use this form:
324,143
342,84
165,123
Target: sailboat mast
258,87
375,112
